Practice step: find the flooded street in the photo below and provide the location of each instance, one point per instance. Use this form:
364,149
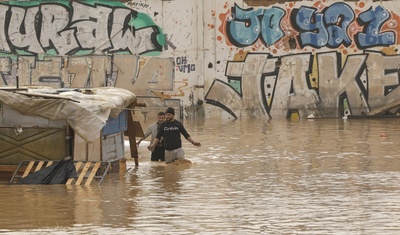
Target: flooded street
250,176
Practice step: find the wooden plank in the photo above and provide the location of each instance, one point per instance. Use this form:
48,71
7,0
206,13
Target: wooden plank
69,181
83,173
93,173
39,166
28,169
94,150
384,108
8,168
88,169
77,166
87,151
134,127
80,148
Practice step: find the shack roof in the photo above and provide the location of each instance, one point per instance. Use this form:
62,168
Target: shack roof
86,111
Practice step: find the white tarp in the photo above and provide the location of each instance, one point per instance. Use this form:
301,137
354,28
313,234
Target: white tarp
85,113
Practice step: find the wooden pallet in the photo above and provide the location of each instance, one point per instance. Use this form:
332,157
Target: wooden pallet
86,171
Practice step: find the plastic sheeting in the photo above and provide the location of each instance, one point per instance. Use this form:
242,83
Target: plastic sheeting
85,113
55,174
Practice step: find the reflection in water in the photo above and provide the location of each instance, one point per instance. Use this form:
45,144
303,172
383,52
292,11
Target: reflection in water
250,176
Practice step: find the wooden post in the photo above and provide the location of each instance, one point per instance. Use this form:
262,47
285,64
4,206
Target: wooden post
134,150
122,165
134,130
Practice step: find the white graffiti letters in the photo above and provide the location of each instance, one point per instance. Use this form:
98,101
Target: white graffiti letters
21,34
54,29
91,24
122,40
362,83
62,29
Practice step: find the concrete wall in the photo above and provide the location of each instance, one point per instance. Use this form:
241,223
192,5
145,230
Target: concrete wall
212,58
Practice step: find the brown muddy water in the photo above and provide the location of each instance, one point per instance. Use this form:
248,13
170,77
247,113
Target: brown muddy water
250,176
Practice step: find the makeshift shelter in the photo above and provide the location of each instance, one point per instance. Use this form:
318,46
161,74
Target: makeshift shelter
51,124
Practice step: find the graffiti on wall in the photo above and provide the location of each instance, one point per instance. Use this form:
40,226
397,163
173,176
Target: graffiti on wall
124,71
331,26
183,66
73,28
276,86
348,81
81,44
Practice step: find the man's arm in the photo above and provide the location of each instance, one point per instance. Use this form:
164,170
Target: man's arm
195,143
187,136
146,134
154,144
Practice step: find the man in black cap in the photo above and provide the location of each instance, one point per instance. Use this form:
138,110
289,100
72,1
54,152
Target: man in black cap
171,131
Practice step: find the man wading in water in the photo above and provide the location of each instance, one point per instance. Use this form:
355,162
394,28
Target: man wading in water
171,131
157,154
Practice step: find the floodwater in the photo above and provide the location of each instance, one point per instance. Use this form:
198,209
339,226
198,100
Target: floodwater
253,176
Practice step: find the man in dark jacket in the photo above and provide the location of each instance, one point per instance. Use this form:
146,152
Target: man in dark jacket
171,131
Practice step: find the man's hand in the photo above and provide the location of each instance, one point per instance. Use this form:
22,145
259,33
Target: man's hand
150,147
196,143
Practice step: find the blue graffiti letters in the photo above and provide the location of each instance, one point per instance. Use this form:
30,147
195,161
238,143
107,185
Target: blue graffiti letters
342,14
331,27
271,31
244,27
373,21
313,34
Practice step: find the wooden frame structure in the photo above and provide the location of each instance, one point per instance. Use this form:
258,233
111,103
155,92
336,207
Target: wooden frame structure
86,171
